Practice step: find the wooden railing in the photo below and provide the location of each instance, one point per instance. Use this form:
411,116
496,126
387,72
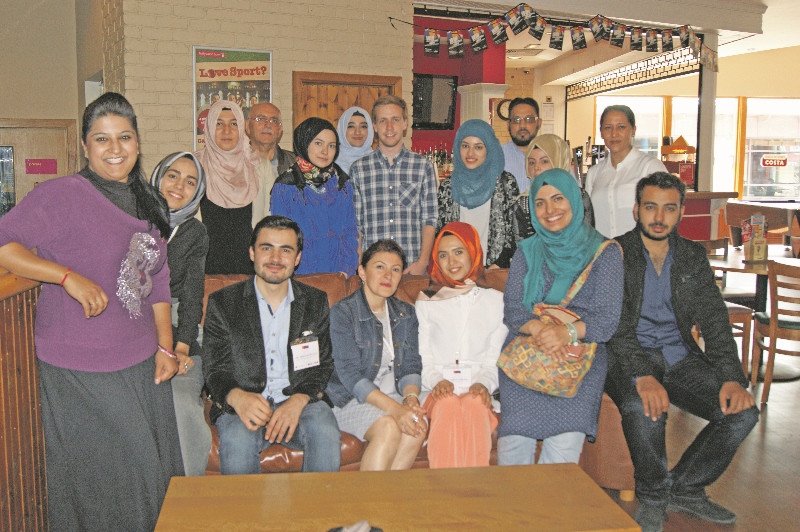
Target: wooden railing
23,497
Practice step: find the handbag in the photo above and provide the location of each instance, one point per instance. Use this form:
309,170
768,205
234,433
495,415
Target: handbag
527,365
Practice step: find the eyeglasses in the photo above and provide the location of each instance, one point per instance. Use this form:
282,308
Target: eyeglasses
526,119
271,120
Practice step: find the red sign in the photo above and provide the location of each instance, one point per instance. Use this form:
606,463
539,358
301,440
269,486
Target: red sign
773,159
41,166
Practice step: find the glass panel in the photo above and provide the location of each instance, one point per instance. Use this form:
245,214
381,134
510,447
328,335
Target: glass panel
648,111
772,149
725,128
684,120
7,196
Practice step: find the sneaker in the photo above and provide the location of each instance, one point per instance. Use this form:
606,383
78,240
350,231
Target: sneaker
650,517
703,508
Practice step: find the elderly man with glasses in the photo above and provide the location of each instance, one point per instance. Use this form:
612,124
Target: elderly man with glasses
523,125
264,128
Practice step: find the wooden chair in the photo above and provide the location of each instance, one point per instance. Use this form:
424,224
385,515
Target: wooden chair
782,322
717,249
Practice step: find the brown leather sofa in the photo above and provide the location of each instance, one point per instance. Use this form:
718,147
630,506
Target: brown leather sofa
607,461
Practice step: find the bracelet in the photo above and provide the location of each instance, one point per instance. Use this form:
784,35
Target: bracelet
169,353
573,333
412,394
65,277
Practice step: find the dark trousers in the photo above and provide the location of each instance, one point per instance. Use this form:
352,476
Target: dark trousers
691,385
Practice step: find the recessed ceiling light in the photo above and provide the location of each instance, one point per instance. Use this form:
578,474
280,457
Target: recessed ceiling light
620,62
531,46
751,49
514,57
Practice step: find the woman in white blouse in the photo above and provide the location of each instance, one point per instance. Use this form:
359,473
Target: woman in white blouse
461,332
612,183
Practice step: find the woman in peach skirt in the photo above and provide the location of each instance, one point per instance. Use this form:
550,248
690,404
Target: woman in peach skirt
461,333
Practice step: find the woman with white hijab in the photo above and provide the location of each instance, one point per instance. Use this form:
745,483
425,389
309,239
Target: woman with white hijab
355,133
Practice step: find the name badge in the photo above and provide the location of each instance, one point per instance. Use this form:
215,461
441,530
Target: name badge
305,352
460,376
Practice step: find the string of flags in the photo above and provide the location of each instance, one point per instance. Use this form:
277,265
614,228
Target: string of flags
602,28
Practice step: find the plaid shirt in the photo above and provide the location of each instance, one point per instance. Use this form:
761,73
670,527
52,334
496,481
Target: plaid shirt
394,201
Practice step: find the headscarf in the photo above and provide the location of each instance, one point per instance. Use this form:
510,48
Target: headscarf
556,149
566,252
231,175
473,188
179,216
309,173
349,154
468,236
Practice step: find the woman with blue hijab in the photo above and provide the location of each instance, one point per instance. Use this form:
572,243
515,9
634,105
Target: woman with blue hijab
356,134
569,264
480,192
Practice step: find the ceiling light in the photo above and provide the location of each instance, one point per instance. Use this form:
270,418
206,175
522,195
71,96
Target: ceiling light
514,57
531,46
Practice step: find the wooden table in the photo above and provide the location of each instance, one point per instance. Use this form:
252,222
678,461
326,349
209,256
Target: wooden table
779,215
537,497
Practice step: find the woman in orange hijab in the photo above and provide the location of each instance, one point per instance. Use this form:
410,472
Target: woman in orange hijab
461,332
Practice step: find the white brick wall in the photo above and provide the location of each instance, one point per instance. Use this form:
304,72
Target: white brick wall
347,36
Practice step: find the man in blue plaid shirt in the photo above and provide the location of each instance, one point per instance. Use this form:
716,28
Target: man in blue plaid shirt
395,189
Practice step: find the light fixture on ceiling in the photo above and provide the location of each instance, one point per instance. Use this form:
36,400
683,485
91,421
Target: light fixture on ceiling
531,46
514,57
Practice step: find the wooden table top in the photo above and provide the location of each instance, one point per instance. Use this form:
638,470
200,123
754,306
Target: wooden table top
734,262
537,497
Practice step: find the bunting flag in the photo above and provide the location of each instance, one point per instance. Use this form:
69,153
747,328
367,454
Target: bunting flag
602,29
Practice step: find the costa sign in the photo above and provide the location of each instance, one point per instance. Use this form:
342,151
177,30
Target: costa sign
773,159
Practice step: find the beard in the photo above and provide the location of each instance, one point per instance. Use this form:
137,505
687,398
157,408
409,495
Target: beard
520,142
658,238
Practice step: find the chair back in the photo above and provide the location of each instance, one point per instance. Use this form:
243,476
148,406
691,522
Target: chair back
784,294
717,248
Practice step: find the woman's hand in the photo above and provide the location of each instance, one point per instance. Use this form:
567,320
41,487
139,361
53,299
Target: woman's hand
532,327
444,388
87,293
185,362
553,339
166,367
481,391
410,417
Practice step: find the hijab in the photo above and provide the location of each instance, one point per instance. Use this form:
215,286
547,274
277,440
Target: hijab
556,149
566,252
177,217
306,172
468,236
349,154
231,175
473,188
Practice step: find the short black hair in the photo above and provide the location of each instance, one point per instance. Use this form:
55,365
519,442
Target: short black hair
624,109
389,246
662,180
277,222
519,101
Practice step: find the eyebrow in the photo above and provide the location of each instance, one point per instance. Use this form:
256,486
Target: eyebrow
672,203
285,246
107,134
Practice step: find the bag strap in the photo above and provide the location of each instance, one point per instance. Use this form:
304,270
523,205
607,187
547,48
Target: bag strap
581,279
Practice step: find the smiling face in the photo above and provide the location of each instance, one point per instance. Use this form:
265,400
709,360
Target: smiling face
322,150
390,125
659,212
112,147
179,183
381,277
538,162
473,152
226,132
453,258
357,131
617,133
275,255
552,209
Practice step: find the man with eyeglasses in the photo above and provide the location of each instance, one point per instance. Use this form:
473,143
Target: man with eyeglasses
264,128
523,125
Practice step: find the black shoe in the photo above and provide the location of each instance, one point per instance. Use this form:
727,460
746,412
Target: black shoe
703,508
650,517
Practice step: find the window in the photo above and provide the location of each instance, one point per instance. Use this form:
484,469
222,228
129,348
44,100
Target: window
772,149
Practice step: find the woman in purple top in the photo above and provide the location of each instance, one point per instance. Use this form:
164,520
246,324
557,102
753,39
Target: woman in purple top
102,317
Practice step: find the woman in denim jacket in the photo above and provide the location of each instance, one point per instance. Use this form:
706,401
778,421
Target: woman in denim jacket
376,381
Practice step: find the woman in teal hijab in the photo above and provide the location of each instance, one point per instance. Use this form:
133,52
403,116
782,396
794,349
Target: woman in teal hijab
569,264
480,192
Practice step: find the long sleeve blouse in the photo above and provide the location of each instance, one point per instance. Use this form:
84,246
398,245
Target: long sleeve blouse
186,255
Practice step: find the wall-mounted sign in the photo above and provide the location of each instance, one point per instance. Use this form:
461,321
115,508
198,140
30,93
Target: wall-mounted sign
769,160
41,166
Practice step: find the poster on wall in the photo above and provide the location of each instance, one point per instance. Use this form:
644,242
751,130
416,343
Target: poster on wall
241,76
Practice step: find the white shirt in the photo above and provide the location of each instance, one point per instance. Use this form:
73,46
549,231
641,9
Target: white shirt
613,191
468,328
516,165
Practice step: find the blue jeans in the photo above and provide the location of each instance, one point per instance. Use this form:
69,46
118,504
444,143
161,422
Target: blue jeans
693,386
317,435
562,448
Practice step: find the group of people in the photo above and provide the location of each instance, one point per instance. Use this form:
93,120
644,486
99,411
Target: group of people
120,351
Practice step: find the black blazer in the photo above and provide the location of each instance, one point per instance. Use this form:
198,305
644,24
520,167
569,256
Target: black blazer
695,299
233,346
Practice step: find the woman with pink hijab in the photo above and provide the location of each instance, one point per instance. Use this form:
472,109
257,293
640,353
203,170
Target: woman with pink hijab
232,184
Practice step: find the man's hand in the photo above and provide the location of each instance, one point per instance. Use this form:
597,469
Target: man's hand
285,419
654,397
252,408
417,268
733,398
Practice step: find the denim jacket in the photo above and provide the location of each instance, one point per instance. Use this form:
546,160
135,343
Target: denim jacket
357,339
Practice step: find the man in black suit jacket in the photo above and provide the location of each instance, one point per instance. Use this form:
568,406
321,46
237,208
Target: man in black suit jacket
654,361
267,359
